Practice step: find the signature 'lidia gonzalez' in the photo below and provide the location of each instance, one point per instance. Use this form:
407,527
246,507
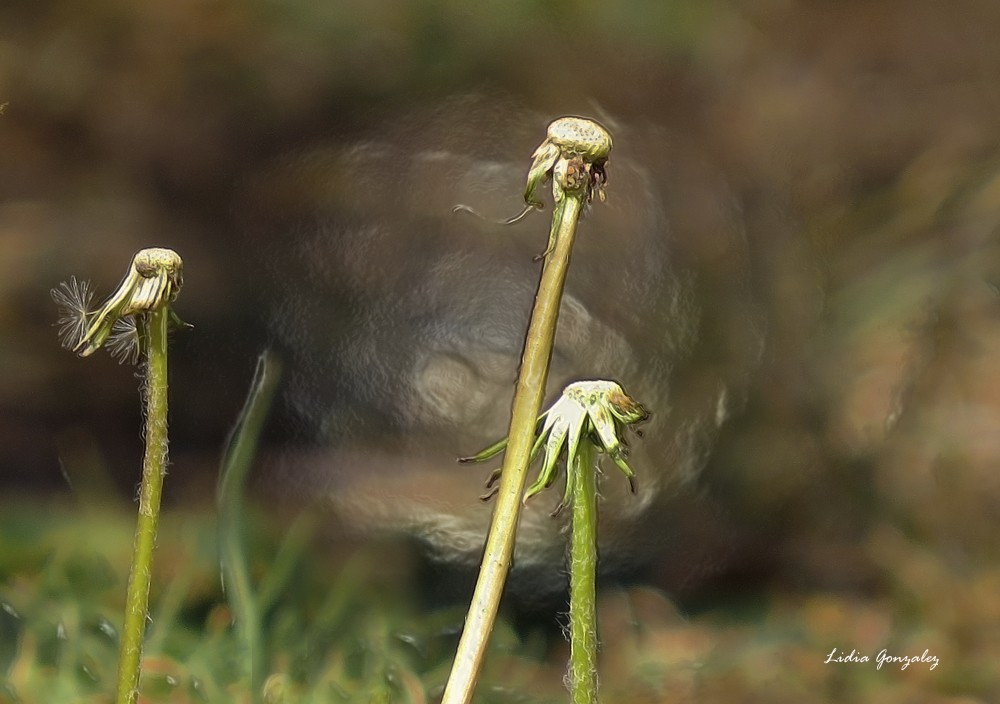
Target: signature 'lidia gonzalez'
884,657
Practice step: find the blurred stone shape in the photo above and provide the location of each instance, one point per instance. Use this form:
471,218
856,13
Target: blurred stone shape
402,322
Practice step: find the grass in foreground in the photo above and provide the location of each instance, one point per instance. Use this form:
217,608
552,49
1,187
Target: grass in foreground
347,626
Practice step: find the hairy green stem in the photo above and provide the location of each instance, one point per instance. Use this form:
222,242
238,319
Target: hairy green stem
582,579
528,395
154,467
232,482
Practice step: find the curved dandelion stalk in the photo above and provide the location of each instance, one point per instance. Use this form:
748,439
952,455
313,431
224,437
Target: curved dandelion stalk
574,156
133,321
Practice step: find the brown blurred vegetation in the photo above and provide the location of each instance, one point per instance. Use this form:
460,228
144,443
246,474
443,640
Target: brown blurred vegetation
859,139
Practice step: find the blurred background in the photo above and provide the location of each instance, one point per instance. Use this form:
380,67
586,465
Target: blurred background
849,152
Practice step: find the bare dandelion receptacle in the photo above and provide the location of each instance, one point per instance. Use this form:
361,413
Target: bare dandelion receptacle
153,280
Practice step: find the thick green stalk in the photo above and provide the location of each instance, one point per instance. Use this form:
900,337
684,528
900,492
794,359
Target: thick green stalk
154,467
582,579
528,395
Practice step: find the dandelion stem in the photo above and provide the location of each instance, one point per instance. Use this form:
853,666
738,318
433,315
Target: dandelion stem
153,469
582,579
138,313
528,395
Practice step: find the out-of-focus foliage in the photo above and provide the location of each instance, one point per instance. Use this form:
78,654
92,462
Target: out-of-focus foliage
349,630
336,631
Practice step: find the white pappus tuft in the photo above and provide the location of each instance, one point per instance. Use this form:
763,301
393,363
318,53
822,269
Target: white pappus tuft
73,299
